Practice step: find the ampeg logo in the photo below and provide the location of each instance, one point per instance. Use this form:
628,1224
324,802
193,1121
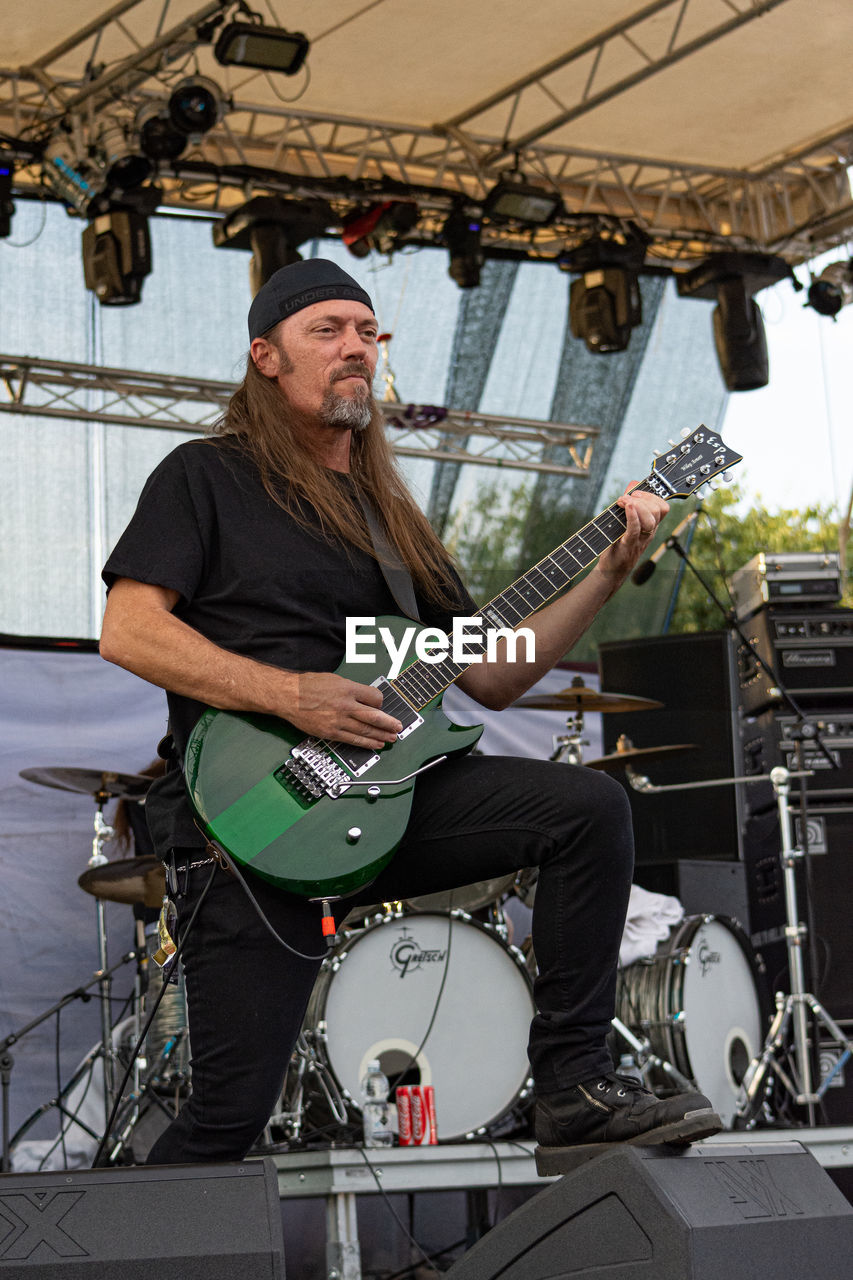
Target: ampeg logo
707,957
407,955
30,1219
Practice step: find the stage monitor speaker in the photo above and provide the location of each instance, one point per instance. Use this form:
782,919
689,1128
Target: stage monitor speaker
190,1222
695,677
733,1211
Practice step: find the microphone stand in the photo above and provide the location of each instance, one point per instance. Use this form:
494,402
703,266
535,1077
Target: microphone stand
794,1006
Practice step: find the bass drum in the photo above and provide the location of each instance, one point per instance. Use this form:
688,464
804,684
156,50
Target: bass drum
698,1001
440,1000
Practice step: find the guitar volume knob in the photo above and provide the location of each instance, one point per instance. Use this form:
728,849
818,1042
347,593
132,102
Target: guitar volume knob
353,835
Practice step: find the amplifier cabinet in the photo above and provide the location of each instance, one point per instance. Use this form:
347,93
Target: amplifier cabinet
810,651
770,740
695,677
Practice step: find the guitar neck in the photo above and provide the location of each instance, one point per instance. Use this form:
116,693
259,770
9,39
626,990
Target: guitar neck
423,681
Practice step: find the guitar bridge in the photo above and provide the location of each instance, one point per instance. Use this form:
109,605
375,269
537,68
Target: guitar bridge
311,772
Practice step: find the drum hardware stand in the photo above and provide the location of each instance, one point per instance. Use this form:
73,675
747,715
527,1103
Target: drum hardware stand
104,833
645,1058
568,747
791,1015
7,1061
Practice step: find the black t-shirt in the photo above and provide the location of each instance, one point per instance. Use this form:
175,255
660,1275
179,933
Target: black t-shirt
250,578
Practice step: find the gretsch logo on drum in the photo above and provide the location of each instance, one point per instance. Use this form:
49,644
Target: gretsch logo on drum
707,957
407,955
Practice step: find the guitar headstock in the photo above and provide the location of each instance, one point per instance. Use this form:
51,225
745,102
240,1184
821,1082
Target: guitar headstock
683,468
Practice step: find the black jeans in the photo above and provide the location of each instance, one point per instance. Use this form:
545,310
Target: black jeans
472,819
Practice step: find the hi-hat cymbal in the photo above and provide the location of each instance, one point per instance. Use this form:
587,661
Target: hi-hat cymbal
633,755
579,697
135,881
91,782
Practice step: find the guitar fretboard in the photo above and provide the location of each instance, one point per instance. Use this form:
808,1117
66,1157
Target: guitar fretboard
423,681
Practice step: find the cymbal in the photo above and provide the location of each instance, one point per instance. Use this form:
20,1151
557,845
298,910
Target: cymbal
135,881
632,755
91,782
579,697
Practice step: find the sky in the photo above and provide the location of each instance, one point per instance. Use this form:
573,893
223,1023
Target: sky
796,434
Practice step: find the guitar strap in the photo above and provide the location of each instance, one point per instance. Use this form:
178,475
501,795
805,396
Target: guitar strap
394,572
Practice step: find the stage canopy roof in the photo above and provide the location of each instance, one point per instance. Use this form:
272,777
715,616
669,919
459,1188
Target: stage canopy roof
685,127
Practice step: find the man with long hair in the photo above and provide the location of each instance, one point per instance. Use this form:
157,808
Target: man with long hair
231,588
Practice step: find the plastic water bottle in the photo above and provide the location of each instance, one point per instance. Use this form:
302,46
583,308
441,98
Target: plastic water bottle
628,1067
376,1109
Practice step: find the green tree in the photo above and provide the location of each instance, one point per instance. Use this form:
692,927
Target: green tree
727,537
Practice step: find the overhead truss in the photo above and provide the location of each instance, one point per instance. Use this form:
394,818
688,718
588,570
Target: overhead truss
794,207
126,397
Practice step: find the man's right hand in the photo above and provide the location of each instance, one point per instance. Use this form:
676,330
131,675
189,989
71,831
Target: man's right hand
329,706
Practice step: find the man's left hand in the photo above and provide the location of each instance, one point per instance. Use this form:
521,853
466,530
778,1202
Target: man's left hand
643,514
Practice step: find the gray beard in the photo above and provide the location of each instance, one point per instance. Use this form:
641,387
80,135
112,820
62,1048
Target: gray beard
352,414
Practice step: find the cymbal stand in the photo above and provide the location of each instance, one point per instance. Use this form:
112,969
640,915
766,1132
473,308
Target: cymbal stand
791,1017
568,747
103,832
7,1061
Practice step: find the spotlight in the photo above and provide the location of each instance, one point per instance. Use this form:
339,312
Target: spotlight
158,137
248,44
833,289
7,206
125,168
75,180
116,257
513,200
739,338
605,302
379,227
461,234
272,228
195,106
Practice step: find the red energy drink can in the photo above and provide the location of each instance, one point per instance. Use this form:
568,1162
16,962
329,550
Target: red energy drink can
404,1115
424,1131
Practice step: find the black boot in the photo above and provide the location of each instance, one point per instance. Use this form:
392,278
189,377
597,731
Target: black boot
610,1109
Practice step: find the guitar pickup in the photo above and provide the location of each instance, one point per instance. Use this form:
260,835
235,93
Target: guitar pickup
396,705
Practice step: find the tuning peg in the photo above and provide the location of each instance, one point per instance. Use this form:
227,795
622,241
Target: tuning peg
727,476
671,442
685,432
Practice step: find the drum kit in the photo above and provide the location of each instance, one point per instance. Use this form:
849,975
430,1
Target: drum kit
434,988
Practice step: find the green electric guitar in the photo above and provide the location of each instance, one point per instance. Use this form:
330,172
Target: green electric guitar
322,819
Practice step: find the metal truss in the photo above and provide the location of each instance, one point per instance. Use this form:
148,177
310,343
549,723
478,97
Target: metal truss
127,397
794,207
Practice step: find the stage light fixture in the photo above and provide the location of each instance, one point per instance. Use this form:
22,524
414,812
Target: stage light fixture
604,306
741,343
195,106
832,289
116,257
272,229
76,180
158,137
461,233
381,227
605,302
513,200
124,166
7,205
250,44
